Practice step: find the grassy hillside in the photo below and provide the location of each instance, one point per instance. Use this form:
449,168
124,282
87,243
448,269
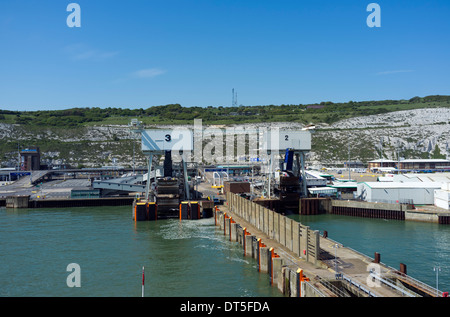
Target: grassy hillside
324,112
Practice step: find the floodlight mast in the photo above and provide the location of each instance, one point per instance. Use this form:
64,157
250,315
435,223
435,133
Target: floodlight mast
135,128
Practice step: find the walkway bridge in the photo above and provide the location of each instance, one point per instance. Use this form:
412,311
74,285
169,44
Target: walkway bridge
134,183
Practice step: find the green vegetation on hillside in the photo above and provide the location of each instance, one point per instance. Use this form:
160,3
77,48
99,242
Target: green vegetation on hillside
324,112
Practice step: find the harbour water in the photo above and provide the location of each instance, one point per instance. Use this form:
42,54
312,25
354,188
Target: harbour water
421,246
183,259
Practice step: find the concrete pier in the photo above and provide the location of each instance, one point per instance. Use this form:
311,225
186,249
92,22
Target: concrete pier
301,263
17,201
283,274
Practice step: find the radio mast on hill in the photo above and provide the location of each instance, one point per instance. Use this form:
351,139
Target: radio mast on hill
234,98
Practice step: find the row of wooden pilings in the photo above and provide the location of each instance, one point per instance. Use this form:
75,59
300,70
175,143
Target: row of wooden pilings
444,220
369,213
289,280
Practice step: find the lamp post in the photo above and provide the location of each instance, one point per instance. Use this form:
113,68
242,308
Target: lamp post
348,164
437,269
143,281
135,128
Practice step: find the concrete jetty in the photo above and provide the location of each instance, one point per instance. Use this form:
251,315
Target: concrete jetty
301,263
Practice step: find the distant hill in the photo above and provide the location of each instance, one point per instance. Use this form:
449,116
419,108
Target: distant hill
88,137
324,112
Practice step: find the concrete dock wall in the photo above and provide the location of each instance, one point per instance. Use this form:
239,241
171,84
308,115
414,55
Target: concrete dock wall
421,216
386,211
17,201
366,205
297,237
27,202
368,209
380,210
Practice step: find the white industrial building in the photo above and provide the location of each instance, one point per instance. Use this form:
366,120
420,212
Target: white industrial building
418,193
424,177
315,179
442,197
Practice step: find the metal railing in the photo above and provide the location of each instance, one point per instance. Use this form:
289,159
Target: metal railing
332,288
316,291
359,286
419,284
394,287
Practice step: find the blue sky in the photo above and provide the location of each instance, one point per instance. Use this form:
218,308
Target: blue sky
143,53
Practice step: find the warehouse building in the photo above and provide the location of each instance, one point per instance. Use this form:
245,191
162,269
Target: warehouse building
315,179
425,165
417,193
379,165
442,197
424,178
422,165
